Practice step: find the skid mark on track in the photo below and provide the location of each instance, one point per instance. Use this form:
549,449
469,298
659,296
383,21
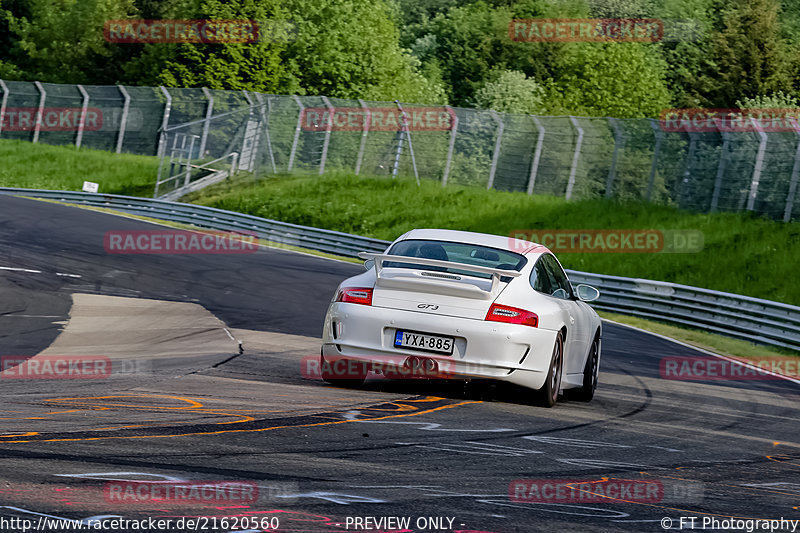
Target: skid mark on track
399,408
355,416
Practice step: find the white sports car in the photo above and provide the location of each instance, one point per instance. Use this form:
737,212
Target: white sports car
461,305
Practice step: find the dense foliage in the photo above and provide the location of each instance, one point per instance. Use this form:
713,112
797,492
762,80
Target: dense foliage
715,53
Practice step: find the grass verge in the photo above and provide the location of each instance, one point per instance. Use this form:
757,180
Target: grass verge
65,168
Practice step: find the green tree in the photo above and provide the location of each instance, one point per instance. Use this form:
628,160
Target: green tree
511,92
751,57
350,48
255,66
779,100
623,80
687,49
621,8
470,42
60,41
346,49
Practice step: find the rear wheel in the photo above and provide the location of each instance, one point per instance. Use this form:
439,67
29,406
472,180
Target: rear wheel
548,394
331,375
590,373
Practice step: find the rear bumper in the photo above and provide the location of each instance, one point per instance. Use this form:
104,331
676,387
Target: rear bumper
482,350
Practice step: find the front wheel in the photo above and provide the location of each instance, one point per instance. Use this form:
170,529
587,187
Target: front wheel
590,373
548,394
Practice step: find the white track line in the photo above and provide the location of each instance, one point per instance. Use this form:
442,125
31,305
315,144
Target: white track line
21,270
30,271
32,316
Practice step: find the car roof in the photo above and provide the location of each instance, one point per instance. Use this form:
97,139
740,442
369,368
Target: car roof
484,239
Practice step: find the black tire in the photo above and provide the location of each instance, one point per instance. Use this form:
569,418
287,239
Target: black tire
340,382
590,373
548,394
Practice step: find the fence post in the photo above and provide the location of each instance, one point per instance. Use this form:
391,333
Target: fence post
723,161
612,172
659,135
189,161
451,146
407,133
497,143
364,132
207,123
162,138
165,117
3,104
327,142
247,97
123,121
787,214
265,115
252,153
399,136
687,168
537,154
269,141
82,120
574,168
762,147
42,96
296,132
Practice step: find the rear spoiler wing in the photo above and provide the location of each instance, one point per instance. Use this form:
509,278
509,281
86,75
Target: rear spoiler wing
475,292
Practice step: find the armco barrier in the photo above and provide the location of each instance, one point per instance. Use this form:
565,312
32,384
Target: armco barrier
744,317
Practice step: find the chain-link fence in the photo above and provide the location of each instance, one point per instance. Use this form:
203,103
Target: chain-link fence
574,157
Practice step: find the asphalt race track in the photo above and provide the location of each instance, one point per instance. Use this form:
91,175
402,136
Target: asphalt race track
182,405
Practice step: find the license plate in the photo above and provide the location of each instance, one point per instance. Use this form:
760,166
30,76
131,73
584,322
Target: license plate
424,341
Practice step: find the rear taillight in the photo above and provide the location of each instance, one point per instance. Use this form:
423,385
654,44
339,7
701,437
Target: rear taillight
512,315
355,295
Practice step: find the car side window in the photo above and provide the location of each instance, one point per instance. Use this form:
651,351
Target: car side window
539,279
560,285
549,278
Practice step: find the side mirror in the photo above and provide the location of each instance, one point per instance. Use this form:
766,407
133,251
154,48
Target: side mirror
587,293
368,264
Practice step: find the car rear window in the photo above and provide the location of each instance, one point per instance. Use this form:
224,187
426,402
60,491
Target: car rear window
456,252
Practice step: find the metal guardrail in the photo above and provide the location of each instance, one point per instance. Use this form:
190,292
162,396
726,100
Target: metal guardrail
752,319
743,317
